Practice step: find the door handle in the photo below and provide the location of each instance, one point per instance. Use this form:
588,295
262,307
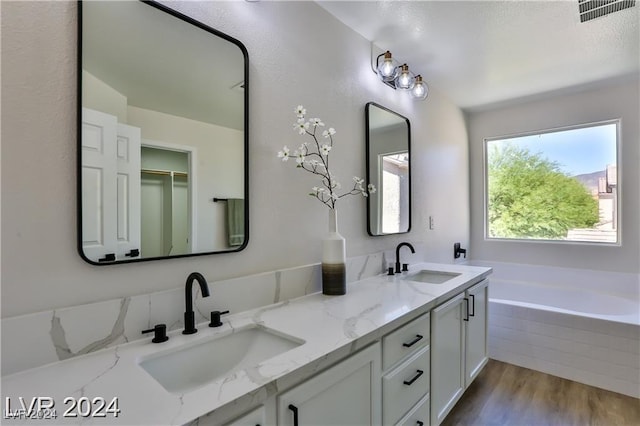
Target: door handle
473,305
133,253
109,257
467,309
295,413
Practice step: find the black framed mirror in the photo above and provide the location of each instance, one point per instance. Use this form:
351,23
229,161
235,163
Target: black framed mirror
388,155
162,162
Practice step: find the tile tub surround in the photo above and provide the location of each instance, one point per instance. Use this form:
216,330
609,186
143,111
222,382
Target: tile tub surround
587,350
332,328
582,325
33,340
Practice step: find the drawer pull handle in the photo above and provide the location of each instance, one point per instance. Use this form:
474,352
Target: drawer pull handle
419,423
295,413
413,342
414,378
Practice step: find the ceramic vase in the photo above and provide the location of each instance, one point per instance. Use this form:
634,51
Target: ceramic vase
334,275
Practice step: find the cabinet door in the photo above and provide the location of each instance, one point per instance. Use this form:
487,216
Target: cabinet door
476,333
447,356
346,394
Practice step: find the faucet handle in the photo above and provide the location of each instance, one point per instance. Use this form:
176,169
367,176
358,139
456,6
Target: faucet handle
405,267
215,318
160,331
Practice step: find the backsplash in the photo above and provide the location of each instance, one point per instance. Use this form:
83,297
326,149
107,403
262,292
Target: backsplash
33,340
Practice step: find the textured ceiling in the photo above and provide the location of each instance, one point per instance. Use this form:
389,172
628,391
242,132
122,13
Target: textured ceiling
481,53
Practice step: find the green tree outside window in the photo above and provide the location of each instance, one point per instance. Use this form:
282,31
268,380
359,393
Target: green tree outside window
529,197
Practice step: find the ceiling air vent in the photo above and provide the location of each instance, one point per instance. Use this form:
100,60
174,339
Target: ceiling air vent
591,9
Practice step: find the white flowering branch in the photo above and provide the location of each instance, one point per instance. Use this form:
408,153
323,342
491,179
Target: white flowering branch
315,160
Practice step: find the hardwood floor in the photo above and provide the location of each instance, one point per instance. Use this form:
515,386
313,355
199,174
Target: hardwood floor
505,394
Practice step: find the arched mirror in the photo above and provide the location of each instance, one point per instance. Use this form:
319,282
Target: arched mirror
162,135
388,152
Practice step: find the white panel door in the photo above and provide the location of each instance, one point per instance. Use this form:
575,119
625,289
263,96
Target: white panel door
128,192
476,333
346,394
98,184
447,357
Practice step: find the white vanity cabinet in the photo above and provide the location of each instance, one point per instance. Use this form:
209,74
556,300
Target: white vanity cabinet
345,394
459,347
412,376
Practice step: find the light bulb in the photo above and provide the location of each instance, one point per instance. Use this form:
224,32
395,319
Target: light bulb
387,70
405,79
420,89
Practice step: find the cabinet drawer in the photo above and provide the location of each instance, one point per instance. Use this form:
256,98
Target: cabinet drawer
409,338
418,416
403,387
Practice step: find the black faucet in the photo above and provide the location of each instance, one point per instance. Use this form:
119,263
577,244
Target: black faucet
189,316
404,268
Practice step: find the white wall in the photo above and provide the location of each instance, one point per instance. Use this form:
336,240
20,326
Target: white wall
98,95
298,54
610,101
218,152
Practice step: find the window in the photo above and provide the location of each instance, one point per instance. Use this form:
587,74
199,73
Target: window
557,185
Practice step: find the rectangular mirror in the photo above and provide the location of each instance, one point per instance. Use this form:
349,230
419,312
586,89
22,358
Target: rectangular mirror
162,135
388,152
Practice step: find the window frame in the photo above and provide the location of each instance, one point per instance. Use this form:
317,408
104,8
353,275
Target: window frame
619,184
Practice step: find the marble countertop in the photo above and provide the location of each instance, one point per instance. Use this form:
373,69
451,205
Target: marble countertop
332,327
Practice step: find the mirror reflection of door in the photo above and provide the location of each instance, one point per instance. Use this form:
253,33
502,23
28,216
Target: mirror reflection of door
165,205
110,187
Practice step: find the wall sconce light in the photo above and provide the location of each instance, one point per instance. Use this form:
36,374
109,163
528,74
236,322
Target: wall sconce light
420,89
399,76
405,78
388,68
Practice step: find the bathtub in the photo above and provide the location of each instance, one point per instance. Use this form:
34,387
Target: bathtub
575,333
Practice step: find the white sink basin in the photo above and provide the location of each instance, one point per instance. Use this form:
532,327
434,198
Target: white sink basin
432,277
189,367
